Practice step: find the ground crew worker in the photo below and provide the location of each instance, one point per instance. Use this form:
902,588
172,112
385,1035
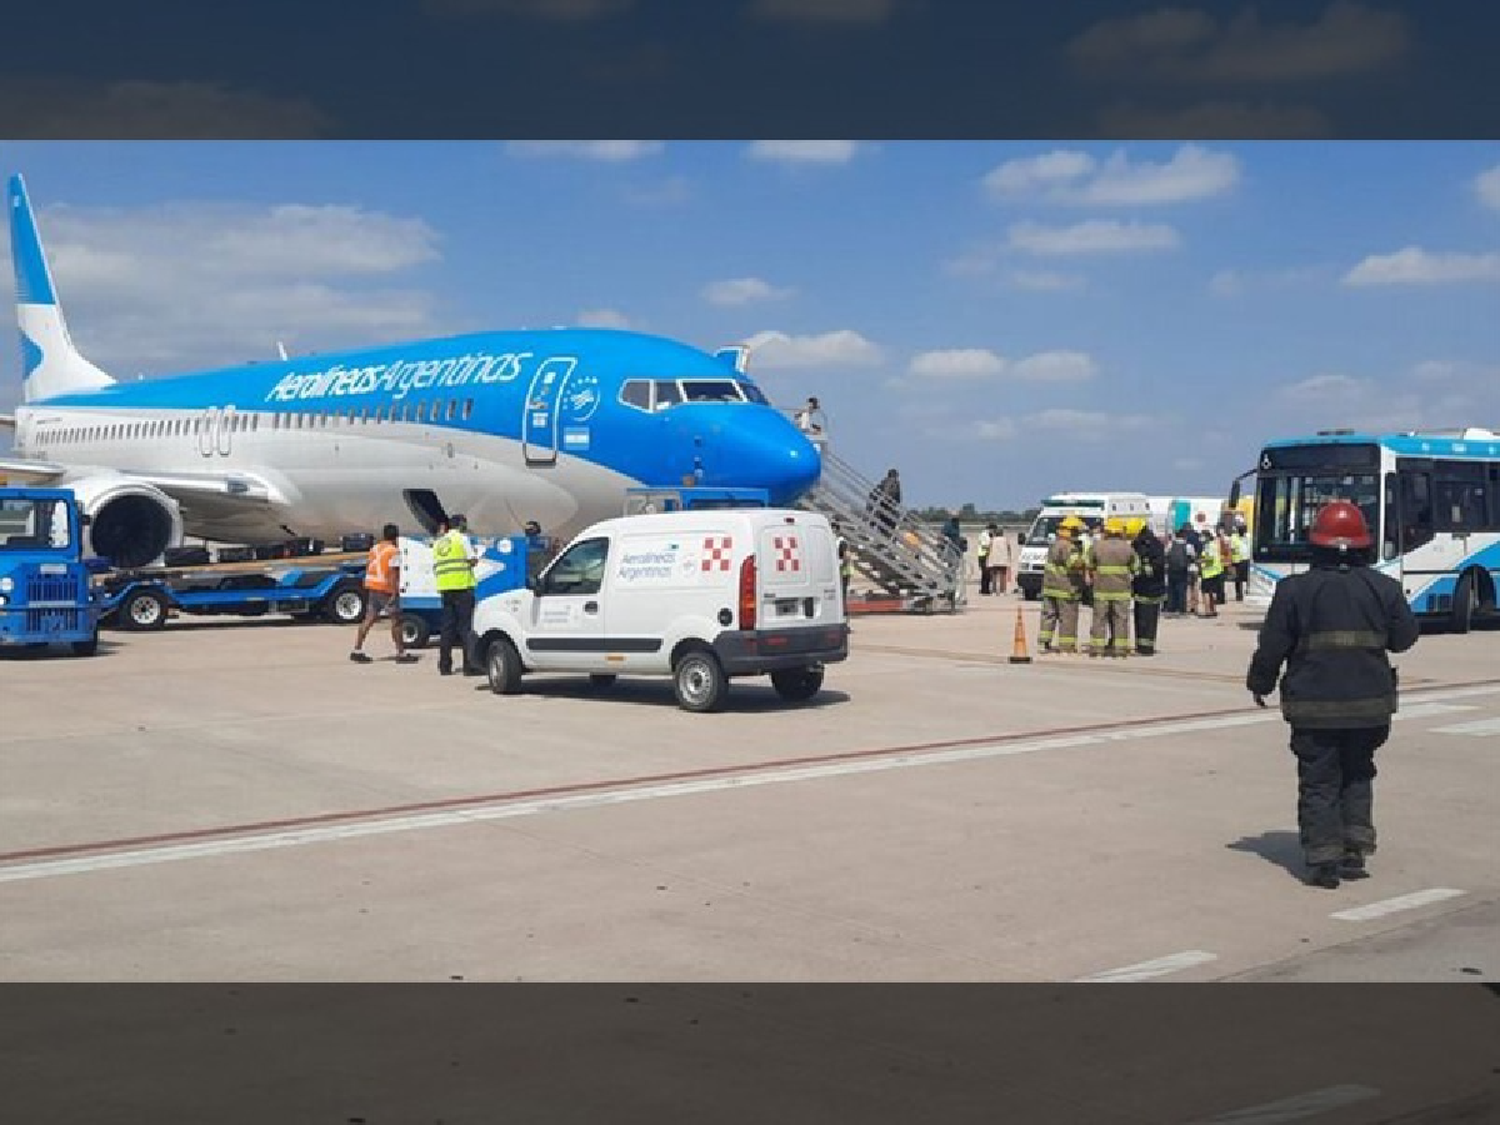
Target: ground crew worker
453,561
1112,567
1210,574
1061,586
986,572
1149,587
1239,559
1333,626
382,595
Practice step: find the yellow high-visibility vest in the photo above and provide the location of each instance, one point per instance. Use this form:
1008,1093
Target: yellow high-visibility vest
450,563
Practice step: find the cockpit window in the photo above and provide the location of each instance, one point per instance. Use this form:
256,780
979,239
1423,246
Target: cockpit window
753,393
637,393
711,390
667,394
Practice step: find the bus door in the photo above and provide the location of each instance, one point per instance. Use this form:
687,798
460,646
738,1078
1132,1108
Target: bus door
539,426
1432,539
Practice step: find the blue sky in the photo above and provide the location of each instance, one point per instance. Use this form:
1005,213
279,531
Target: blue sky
997,320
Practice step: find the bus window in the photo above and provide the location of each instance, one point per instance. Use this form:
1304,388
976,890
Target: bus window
1416,509
1459,502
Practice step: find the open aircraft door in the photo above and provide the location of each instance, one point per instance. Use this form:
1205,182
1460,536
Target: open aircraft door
539,427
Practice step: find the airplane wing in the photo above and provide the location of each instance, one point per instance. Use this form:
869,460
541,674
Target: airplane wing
24,471
226,492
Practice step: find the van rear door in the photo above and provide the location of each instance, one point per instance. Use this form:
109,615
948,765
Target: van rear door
797,572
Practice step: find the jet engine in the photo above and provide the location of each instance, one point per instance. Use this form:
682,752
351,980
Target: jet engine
131,522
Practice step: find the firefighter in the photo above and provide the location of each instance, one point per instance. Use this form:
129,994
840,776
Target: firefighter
1149,586
1112,567
1332,626
1061,587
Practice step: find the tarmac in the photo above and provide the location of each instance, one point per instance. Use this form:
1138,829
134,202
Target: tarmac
234,801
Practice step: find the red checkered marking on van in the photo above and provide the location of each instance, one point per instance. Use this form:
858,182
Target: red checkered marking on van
788,554
718,551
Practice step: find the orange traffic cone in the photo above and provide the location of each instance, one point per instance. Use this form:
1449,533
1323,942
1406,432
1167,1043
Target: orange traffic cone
1018,653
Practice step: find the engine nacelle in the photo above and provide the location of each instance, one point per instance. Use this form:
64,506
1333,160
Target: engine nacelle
131,523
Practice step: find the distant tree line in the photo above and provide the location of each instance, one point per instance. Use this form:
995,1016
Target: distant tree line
968,513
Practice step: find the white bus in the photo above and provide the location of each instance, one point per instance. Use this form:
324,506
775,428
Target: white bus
1432,500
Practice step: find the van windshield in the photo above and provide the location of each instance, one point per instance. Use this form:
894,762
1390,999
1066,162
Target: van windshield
1045,527
32,525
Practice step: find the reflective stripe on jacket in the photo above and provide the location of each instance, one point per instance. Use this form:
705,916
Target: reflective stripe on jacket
1064,567
379,567
1113,564
450,563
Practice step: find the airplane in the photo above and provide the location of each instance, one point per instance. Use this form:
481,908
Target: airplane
551,425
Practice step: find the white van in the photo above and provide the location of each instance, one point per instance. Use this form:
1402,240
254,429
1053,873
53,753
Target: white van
701,596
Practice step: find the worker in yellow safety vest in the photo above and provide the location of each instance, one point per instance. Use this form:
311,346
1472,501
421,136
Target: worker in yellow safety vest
453,561
1062,585
1211,573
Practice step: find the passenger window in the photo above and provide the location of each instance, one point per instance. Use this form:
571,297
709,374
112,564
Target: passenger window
1416,510
578,570
468,408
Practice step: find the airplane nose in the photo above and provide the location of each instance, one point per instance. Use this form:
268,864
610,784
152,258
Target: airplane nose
763,452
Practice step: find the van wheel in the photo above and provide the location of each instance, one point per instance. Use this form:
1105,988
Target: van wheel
142,610
1463,604
415,632
797,684
699,681
502,664
602,679
345,606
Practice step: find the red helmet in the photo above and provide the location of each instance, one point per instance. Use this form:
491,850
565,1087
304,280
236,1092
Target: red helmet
1340,524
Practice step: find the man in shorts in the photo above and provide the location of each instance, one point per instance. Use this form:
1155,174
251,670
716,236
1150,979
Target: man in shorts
382,595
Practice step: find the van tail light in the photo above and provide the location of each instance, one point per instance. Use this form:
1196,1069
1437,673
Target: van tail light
747,593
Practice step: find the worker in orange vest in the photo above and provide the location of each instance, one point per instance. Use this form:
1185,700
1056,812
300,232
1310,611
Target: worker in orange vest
383,595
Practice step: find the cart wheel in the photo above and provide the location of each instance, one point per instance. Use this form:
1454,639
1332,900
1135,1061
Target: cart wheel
142,610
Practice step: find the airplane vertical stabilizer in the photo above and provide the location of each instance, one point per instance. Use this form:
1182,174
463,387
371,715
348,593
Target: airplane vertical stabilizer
52,365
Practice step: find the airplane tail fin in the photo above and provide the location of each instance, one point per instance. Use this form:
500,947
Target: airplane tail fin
52,365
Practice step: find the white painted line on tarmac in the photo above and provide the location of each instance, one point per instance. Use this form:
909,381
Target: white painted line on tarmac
1146,970
1480,728
1427,710
1395,905
1295,1108
169,852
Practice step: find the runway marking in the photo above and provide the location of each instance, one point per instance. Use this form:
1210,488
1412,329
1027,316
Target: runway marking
1394,905
141,851
1427,710
1145,970
1480,728
1295,1108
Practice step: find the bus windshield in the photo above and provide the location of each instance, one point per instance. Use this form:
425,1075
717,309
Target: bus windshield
1287,504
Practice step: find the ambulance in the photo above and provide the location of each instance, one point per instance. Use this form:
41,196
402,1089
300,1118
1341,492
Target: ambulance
702,596
1093,508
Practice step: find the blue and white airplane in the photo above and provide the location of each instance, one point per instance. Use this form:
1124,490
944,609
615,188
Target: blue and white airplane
505,427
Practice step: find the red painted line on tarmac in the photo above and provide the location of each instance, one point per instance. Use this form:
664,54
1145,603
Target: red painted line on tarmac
622,783
576,788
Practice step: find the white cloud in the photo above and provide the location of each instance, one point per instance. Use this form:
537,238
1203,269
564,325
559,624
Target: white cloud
32,108
604,151
1096,236
1056,367
1074,177
804,152
958,363
194,285
1235,283
1487,187
981,363
742,291
670,192
603,318
1226,120
561,11
1182,45
1041,281
841,348
1085,425
994,429
856,12
1328,387
1415,266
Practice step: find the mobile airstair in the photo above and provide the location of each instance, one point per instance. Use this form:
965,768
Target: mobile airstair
905,559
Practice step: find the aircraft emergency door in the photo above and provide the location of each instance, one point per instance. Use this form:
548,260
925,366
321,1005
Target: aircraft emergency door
539,428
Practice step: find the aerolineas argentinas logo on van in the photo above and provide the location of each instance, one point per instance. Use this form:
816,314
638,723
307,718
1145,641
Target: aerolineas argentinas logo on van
650,564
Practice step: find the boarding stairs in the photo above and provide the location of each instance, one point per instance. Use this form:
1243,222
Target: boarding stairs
904,558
